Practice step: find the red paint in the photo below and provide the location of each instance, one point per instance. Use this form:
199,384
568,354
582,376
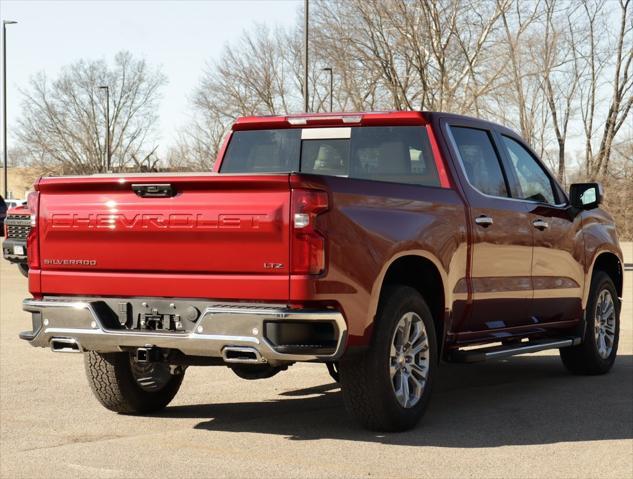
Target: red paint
439,161
389,118
232,237
211,226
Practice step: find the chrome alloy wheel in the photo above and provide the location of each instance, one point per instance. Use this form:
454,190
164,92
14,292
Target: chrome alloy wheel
150,376
409,359
604,323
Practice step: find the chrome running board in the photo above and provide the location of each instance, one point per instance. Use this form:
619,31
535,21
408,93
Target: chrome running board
504,351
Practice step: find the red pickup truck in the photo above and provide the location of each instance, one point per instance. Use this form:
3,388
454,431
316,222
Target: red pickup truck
380,244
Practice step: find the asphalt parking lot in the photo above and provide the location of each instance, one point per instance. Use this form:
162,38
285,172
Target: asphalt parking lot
522,417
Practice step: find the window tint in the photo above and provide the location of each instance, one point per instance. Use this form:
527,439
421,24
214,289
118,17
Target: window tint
399,154
325,157
480,160
262,151
534,182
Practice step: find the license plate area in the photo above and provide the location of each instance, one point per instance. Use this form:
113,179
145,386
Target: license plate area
152,315
160,322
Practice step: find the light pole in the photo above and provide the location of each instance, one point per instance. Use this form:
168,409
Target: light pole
4,102
107,152
306,104
329,69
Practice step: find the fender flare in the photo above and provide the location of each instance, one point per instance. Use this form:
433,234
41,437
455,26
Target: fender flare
379,282
601,251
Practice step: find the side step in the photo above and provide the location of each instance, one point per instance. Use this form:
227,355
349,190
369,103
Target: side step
504,351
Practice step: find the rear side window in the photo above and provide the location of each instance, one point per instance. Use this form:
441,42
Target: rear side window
480,160
399,154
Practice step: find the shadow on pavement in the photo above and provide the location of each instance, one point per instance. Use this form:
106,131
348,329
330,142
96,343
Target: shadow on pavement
520,401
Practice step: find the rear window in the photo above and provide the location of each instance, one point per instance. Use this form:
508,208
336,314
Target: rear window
398,154
262,151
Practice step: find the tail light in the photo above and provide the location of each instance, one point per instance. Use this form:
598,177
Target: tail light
32,248
308,244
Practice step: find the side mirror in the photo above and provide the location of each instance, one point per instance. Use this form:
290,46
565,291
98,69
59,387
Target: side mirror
585,196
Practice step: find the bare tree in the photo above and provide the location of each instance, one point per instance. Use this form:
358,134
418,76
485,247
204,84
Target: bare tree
621,99
541,67
560,77
63,121
555,70
409,55
197,145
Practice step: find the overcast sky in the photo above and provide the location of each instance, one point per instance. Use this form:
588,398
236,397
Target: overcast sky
181,36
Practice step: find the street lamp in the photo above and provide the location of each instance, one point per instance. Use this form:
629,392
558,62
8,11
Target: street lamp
329,69
107,152
4,101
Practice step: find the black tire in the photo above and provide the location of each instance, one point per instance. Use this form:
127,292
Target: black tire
333,369
585,358
24,269
368,391
116,387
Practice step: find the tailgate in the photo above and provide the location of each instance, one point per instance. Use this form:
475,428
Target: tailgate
207,224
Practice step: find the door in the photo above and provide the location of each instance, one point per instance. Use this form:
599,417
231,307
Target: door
500,277
557,264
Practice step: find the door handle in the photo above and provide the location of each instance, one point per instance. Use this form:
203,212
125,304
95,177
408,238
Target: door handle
540,224
484,221
155,190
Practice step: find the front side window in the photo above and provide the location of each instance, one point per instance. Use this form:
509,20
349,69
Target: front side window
480,160
400,154
535,184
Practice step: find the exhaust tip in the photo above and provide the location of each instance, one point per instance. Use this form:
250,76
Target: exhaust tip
242,355
65,345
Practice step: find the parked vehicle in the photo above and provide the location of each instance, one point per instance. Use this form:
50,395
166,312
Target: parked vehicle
3,214
377,243
12,203
16,230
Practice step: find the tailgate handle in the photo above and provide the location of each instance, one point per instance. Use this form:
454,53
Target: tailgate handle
154,190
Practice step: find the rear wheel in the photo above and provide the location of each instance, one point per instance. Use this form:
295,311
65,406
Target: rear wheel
596,354
125,386
388,387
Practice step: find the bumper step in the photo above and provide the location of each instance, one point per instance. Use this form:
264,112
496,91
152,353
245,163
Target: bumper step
234,332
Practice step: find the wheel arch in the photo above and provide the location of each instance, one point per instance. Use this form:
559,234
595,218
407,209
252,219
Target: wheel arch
609,263
423,272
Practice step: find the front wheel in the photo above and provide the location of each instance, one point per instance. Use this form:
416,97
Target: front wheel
125,386
596,354
388,387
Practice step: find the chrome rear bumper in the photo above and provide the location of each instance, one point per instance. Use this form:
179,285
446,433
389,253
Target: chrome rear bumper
220,326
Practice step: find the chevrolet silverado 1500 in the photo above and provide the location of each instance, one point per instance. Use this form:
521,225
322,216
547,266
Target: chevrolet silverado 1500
381,244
